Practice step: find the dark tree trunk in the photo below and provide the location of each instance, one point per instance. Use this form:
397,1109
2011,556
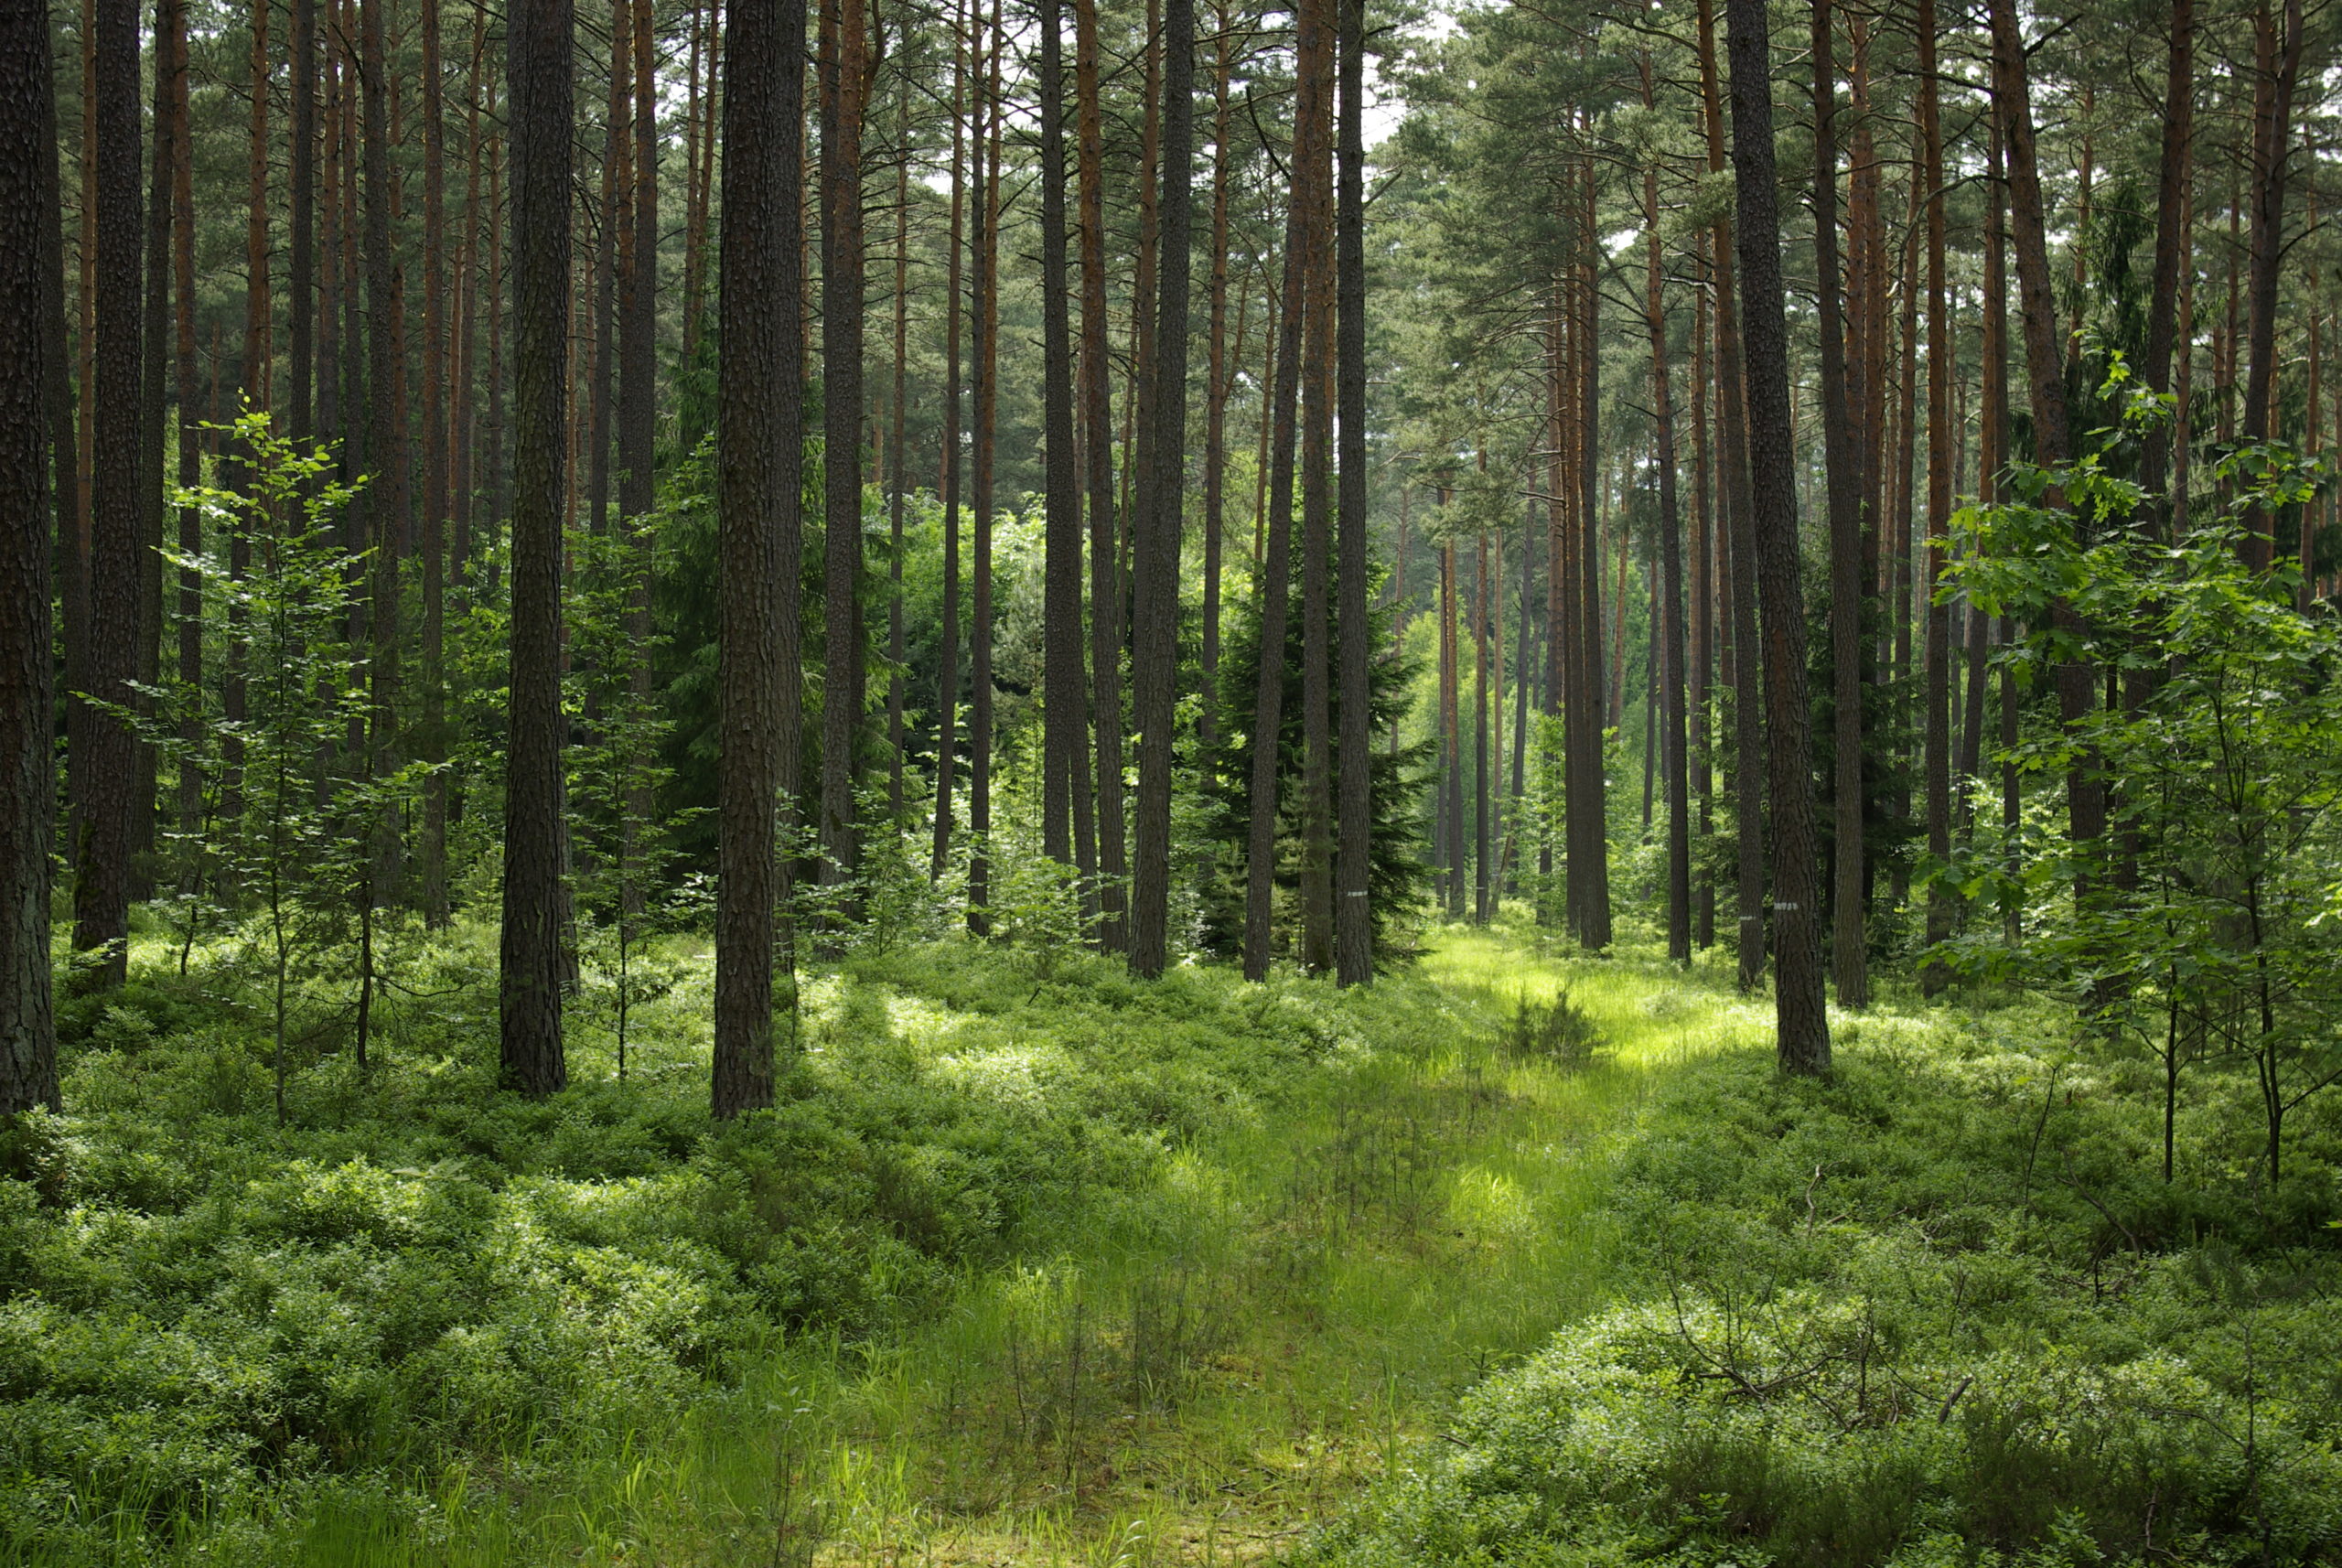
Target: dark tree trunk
2278,57
1589,804
1737,539
1849,941
843,31
1353,914
986,345
2172,198
301,308
1063,700
1316,950
384,499
1449,833
154,398
102,861
1314,50
28,223
435,478
190,437
1217,378
899,455
1480,791
758,465
1941,357
539,64
1157,528
1702,588
1801,1020
1098,455
947,723
1668,670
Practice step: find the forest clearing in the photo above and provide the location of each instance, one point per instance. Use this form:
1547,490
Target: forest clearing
1548,783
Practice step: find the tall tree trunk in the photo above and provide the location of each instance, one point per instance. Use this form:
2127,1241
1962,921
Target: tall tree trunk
382,499
1217,376
1942,356
1316,549
1801,1020
154,398
613,217
2173,200
1849,940
1314,50
759,448
1158,528
1702,588
190,436
539,51
2279,57
28,223
1450,747
2045,367
987,357
300,312
1098,456
1589,803
102,868
1061,630
954,307
843,31
1668,670
1481,730
435,478
899,464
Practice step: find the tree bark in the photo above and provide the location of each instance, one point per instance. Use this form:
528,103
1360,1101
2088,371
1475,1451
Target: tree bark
539,65
1943,355
759,445
2272,147
1061,630
1158,528
435,478
987,357
28,223
1668,630
1589,802
948,681
1849,936
842,30
1353,911
1217,378
1098,456
2173,200
102,879
1801,1020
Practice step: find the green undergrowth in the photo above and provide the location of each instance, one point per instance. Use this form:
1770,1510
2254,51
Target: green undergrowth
1028,1253
1940,1309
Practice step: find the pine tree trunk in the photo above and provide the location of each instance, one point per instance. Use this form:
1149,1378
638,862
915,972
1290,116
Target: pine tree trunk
759,445
1669,628
435,478
986,344
1941,356
2173,198
102,861
954,307
380,500
1589,814
1310,114
899,454
28,224
154,398
540,66
1098,456
1316,549
2278,59
843,31
1062,665
1217,379
1480,731
191,436
1703,590
1158,527
1849,940
1800,1019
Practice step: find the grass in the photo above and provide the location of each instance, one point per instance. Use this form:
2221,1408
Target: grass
1206,1336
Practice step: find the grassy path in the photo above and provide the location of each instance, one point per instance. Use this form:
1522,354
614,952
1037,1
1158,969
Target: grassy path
1197,1377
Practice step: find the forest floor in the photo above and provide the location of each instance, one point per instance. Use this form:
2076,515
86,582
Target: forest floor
1307,1297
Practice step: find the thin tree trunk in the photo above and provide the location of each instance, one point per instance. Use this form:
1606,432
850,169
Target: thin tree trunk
1217,379
1802,1021
1669,627
1098,455
190,436
435,478
1941,357
1061,630
1481,730
1589,805
2278,55
2173,198
844,30
154,396
102,869
1849,941
987,357
539,64
1702,660
899,464
948,682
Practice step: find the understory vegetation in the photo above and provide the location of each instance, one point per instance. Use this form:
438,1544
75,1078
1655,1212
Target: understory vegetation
1520,1256
1941,1308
